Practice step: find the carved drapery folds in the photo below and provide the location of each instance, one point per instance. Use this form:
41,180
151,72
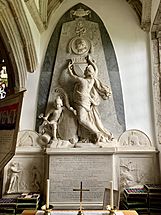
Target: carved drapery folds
42,13
83,79
16,28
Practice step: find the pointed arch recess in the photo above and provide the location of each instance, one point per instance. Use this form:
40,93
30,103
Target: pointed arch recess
49,63
17,35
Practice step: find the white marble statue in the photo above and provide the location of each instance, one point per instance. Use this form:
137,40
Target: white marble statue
74,117
86,94
14,173
53,116
49,128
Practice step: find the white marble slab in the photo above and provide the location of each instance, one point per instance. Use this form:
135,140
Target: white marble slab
67,171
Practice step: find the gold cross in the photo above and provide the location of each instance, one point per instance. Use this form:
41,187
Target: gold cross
81,194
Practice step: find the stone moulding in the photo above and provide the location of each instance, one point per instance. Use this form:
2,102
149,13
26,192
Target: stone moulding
27,141
43,11
25,34
18,35
35,15
156,77
143,10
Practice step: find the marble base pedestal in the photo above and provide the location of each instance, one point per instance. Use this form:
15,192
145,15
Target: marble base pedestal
96,167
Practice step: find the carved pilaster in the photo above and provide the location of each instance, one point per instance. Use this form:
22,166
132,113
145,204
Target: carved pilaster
156,80
156,75
143,11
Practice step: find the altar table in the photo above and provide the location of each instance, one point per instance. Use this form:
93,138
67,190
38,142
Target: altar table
74,212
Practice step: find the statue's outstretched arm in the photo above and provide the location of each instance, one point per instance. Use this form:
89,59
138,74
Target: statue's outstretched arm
71,69
45,118
93,63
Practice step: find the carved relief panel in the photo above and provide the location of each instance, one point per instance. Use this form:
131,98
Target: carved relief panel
24,174
138,170
134,138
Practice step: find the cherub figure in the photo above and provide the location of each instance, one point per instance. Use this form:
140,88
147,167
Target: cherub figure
53,116
50,125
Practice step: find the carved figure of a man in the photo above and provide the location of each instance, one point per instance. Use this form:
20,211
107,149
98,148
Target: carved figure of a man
86,94
14,178
36,178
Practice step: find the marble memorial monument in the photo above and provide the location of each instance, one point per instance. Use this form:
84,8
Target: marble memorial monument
81,134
